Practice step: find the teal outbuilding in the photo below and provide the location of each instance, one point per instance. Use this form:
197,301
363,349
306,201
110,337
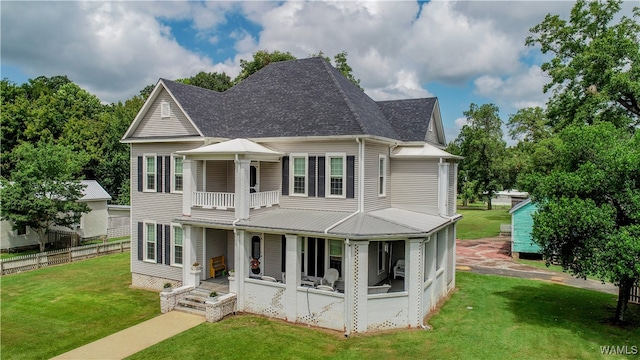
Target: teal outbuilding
521,225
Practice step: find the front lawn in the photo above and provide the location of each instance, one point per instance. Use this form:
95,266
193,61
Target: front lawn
489,317
50,311
480,223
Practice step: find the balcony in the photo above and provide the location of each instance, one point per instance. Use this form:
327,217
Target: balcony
225,201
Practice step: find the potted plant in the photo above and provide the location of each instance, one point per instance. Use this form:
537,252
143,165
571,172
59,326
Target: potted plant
213,296
166,287
196,266
232,272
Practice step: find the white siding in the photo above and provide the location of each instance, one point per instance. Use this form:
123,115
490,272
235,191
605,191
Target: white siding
152,124
219,178
432,134
414,185
94,223
452,189
372,200
270,176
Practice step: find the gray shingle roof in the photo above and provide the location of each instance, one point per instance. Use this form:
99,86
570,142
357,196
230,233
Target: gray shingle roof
306,97
93,191
409,118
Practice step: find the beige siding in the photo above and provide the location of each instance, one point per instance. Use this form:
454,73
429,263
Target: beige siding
152,124
218,177
432,135
270,176
319,148
216,245
159,207
372,199
414,185
272,256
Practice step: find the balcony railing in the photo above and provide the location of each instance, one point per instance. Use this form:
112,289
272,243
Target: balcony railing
224,201
264,199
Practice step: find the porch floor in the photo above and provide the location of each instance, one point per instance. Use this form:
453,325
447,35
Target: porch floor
220,284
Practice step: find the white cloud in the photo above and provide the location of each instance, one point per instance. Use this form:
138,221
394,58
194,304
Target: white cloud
110,48
521,90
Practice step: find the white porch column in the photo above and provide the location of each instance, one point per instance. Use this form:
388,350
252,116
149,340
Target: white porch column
242,188
443,187
189,186
292,277
241,266
356,285
429,297
414,280
189,277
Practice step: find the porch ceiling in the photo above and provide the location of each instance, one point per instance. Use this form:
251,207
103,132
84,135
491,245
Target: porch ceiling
227,150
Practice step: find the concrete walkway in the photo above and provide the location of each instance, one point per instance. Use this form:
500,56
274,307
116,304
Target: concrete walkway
136,338
492,256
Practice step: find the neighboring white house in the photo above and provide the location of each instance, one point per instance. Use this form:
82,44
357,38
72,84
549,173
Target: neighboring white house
92,224
508,197
296,176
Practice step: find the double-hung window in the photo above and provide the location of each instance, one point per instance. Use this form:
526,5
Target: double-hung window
178,179
336,174
177,245
335,255
149,173
382,175
150,241
299,174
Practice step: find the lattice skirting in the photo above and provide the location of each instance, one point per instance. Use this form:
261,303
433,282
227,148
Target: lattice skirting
152,282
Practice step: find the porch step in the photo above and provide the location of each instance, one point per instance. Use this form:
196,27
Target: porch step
189,310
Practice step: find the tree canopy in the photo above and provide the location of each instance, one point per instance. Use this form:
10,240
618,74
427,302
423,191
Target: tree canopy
44,189
584,175
480,143
595,69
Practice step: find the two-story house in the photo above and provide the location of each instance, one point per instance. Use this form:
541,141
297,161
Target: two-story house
296,175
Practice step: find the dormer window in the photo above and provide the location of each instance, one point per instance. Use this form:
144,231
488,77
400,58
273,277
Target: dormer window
165,109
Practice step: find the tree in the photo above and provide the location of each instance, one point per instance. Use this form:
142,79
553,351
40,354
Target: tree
44,189
595,71
261,59
212,81
480,143
589,206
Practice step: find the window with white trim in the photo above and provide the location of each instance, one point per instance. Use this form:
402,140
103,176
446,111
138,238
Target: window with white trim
299,173
22,230
177,240
336,173
150,241
165,109
382,175
149,172
431,125
177,174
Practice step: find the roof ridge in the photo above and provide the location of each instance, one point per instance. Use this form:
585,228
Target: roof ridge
344,95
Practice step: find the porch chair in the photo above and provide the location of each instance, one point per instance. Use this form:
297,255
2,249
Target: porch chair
398,270
325,288
216,264
330,277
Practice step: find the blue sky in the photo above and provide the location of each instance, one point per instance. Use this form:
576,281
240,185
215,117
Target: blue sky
459,51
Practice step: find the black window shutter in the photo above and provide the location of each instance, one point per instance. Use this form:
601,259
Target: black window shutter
351,165
312,176
159,174
140,236
321,171
283,261
285,175
167,244
159,244
140,165
167,174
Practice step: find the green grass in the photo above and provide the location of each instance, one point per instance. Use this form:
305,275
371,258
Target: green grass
49,311
479,223
509,318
